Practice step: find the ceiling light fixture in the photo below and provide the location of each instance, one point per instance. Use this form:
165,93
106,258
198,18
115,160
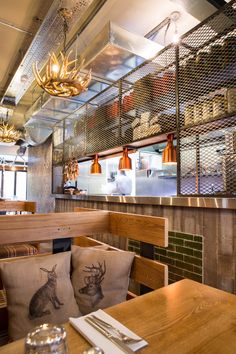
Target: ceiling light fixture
169,153
8,133
96,167
62,77
125,162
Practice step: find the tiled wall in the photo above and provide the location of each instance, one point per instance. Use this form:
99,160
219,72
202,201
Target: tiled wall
184,256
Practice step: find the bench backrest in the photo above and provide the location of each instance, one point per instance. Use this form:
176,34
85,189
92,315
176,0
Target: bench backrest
44,227
18,206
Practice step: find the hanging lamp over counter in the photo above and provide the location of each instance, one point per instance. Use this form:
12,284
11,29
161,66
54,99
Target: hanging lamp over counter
169,153
125,162
95,168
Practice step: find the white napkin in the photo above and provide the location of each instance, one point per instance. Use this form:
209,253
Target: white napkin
97,339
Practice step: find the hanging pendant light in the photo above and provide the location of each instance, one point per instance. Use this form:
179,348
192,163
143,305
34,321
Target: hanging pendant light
62,77
169,153
125,162
95,168
8,133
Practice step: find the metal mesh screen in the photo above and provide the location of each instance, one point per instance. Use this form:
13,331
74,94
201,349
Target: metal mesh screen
74,145
58,143
197,102
148,106
207,98
102,122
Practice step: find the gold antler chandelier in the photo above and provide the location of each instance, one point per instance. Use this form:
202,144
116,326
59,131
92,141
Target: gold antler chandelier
62,77
8,133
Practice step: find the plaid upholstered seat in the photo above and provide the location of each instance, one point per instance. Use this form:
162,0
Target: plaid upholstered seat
17,250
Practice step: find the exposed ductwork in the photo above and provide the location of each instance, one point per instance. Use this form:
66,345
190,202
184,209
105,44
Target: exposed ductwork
111,54
36,135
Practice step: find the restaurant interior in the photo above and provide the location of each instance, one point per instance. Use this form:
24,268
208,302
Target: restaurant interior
117,176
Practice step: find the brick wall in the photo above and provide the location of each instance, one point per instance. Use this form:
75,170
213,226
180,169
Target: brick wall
184,256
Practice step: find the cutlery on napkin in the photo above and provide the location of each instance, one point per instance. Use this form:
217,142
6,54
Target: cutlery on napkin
96,338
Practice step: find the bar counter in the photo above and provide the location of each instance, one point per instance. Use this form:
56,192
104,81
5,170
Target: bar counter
192,202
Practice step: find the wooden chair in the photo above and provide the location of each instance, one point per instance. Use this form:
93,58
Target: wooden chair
81,225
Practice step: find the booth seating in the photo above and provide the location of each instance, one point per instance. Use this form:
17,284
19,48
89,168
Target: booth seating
80,226
17,250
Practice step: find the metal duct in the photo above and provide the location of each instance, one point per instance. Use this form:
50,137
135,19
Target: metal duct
35,135
115,51
111,55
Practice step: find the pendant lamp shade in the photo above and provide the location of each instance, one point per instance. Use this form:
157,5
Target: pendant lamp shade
96,167
169,153
125,162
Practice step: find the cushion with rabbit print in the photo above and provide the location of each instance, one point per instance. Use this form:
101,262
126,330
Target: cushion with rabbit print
100,278
38,290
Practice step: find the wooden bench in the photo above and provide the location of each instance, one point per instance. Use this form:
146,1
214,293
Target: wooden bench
17,207
81,225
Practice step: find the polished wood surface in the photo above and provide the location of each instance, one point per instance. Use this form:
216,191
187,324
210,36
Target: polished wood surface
134,226
18,206
185,317
43,227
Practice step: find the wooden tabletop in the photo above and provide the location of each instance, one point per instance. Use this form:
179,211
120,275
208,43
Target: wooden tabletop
185,317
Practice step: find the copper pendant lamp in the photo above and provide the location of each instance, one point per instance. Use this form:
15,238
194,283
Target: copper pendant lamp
169,153
125,162
96,167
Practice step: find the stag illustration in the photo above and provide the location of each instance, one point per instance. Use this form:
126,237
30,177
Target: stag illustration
43,295
93,282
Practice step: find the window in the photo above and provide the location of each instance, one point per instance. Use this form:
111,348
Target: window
13,184
20,185
8,184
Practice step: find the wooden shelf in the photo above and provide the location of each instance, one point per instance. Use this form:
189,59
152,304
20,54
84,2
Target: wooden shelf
213,124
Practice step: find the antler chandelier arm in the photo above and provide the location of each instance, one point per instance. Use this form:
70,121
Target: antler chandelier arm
62,77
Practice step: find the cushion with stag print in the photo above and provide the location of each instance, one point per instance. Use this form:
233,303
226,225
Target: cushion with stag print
100,278
38,290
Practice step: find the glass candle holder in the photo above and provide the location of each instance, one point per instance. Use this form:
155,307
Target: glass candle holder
45,339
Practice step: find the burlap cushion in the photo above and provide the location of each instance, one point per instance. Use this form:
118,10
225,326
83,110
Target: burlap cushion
38,291
17,250
100,278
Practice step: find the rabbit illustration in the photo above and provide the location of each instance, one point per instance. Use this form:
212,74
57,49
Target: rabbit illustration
43,295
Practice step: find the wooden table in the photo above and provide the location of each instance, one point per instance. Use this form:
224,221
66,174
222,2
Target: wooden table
185,317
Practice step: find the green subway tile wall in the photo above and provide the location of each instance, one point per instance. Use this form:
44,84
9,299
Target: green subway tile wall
184,256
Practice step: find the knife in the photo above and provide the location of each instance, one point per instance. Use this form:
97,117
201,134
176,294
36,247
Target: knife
108,335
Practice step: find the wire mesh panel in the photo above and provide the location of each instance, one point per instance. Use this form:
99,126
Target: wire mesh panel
200,96
74,144
102,122
208,158
207,97
149,105
57,156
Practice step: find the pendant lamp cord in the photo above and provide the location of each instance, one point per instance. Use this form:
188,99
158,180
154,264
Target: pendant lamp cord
65,29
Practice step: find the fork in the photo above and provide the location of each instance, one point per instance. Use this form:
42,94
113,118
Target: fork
126,339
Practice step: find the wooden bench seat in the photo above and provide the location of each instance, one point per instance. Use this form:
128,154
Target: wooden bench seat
80,226
17,250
